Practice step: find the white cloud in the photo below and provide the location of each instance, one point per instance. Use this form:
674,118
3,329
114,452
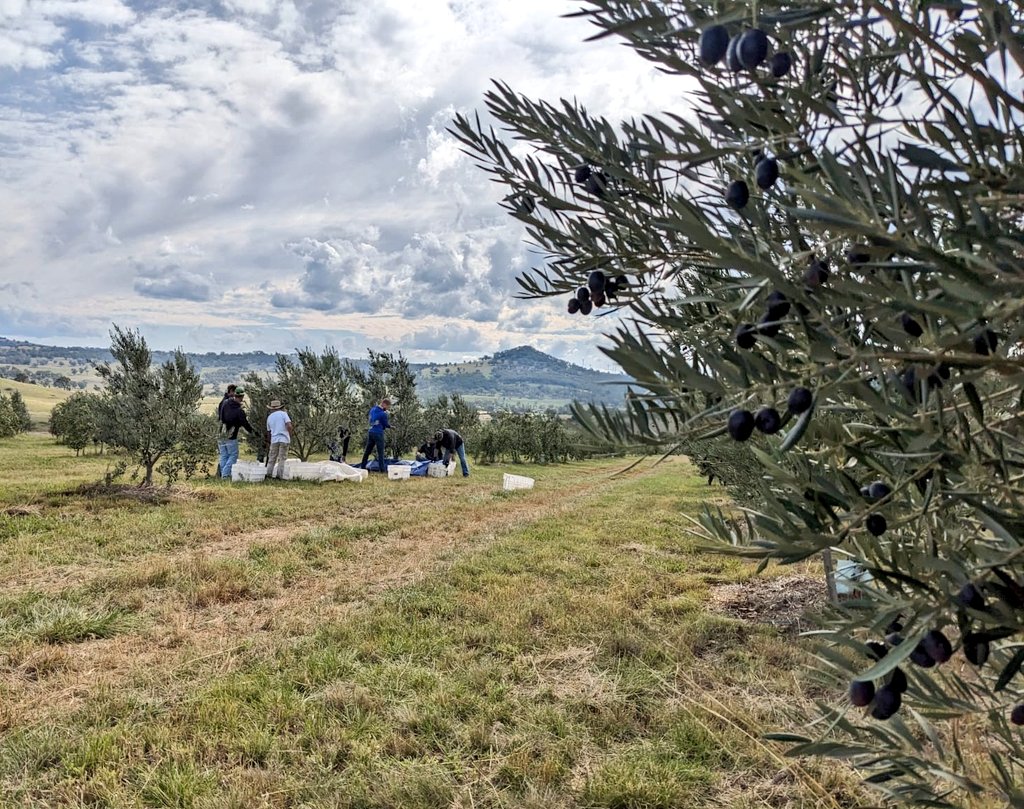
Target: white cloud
288,158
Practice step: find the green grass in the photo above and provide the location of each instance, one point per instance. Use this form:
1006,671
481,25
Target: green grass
431,643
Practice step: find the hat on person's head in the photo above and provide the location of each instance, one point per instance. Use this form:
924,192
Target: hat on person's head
239,391
275,404
438,435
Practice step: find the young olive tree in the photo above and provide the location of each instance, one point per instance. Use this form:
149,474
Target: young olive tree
146,411
823,243
74,421
317,392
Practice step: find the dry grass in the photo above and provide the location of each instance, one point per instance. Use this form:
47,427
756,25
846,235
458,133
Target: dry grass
429,643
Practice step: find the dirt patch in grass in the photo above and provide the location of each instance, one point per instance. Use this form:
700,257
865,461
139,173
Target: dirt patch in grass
782,602
134,493
31,510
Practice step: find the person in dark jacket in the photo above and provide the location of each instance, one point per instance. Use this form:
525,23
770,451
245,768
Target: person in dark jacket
339,449
450,441
428,451
221,447
234,419
375,435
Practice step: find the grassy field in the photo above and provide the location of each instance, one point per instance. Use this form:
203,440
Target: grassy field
429,643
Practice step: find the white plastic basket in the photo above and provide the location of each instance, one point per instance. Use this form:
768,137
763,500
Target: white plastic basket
294,469
396,472
512,482
437,470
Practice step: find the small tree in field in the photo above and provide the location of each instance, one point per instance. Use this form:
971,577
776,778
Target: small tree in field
144,410
22,419
74,421
316,392
823,243
8,418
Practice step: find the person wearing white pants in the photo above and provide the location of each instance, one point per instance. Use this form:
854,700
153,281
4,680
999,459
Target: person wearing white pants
279,425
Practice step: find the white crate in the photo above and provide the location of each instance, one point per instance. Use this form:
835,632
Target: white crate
396,472
511,482
248,472
437,470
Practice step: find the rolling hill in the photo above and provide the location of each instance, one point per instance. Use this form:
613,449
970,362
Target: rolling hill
521,378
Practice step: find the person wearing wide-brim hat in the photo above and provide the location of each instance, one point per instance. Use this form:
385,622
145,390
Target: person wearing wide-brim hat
279,427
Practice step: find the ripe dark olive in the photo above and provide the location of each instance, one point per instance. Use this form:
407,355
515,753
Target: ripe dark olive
1017,715
911,326
752,49
937,646
768,326
586,307
876,649
777,306
876,524
920,657
780,64
596,281
768,420
976,649
737,195
741,425
582,294
766,172
573,306
894,626
858,254
732,58
713,44
878,490
597,298
986,342
817,274
862,692
746,335
596,183
610,287
894,639
898,681
970,596
887,702
581,174
800,400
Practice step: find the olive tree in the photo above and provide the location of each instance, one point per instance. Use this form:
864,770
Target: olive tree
392,377
147,411
822,244
317,392
74,421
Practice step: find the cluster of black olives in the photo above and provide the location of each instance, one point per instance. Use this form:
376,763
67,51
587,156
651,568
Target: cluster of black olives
767,420
777,306
876,523
932,650
747,50
600,289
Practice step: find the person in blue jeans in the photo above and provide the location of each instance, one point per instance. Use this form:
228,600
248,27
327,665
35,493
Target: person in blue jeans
233,417
375,435
450,441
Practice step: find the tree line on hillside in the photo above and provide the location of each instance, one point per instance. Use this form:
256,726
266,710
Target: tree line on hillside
151,413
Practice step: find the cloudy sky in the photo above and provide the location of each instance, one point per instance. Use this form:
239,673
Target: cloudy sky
266,174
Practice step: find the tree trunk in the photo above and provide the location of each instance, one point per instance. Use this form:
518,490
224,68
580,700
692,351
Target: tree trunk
830,578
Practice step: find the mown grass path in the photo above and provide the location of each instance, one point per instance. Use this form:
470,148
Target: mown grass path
433,643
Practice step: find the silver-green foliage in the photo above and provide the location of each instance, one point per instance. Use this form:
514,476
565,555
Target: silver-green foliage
74,422
317,392
148,412
898,137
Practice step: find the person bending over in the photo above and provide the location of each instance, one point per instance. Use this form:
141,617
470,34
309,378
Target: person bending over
450,441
